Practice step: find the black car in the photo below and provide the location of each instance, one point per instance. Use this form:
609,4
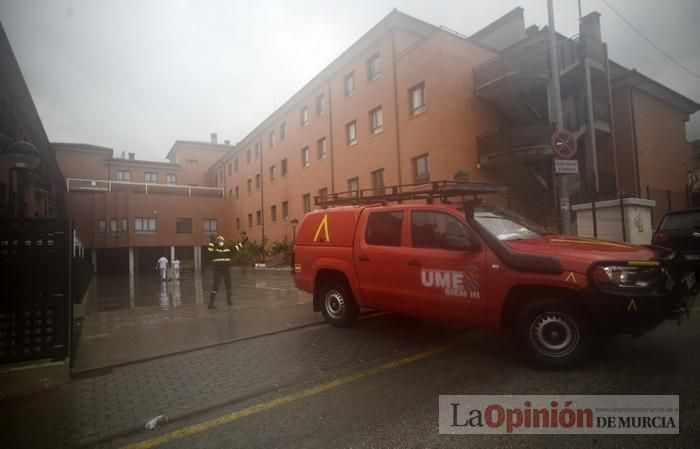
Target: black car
680,231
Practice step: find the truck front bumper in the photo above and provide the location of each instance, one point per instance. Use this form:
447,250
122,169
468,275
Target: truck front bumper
630,313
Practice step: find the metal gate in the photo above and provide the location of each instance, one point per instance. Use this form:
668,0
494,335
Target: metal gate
35,309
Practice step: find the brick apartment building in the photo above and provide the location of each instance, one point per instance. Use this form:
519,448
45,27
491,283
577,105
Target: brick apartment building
407,103
25,192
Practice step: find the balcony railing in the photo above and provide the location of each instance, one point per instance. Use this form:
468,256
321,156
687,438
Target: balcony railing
97,185
575,117
534,60
535,135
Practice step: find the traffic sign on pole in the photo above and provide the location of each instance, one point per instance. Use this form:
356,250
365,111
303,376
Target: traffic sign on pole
563,143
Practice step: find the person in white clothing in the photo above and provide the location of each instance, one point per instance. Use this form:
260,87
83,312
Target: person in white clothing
176,269
162,265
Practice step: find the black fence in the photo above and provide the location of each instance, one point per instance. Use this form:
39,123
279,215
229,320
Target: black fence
35,308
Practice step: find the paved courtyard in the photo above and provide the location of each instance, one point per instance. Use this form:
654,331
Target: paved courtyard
129,319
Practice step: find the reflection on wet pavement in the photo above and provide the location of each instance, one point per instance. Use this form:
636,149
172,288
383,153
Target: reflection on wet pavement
132,318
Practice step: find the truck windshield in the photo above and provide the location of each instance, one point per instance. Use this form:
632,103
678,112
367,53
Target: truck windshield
507,225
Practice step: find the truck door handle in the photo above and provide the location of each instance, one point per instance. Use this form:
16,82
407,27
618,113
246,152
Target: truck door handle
364,258
414,263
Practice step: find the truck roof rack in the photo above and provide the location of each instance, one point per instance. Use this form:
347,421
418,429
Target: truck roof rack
429,191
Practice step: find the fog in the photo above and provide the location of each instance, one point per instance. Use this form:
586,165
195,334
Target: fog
138,75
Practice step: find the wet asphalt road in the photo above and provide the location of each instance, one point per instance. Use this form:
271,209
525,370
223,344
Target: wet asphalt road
398,407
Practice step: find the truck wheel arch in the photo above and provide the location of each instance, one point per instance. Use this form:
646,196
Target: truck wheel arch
324,275
520,295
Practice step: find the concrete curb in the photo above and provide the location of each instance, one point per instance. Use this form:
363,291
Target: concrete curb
104,370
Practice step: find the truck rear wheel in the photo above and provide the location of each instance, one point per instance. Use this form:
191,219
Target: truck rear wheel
555,333
337,304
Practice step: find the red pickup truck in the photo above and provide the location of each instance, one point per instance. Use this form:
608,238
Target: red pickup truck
486,267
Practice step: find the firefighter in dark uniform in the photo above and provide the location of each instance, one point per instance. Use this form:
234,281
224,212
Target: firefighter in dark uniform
221,253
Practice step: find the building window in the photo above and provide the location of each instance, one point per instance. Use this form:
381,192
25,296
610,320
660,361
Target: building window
183,226
283,130
420,168
378,181
235,165
285,209
354,185
349,84
351,133
322,151
238,223
374,67
416,96
123,175
258,217
306,201
171,178
145,224
304,116
384,228
283,166
191,162
237,192
273,173
376,120
323,194
113,225
321,104
257,181
273,213
101,226
125,225
209,225
250,220
250,185
150,177
247,156
272,139
305,157
230,169
257,150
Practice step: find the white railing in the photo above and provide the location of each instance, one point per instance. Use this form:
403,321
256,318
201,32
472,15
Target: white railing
100,185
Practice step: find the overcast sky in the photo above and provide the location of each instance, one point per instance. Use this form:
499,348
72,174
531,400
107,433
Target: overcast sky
136,75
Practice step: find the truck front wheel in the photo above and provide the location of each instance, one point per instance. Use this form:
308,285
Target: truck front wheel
337,304
555,333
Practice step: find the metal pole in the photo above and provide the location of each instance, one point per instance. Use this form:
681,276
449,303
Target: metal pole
559,119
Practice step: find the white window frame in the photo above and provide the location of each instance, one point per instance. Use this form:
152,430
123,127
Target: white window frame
374,67
304,116
322,147
207,225
376,120
349,87
305,159
351,133
417,108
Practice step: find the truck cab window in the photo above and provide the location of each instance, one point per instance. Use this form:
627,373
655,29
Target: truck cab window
384,228
438,230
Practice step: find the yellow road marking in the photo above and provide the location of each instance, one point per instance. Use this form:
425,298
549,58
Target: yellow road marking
311,391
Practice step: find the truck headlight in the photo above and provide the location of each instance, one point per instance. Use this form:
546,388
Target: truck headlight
624,277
